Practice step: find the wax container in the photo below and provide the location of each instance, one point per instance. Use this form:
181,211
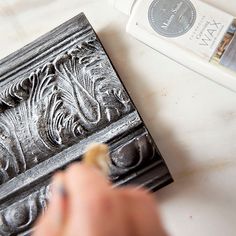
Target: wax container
190,32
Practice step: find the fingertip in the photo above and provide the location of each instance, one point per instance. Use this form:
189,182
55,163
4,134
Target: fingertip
58,175
83,182
82,168
72,167
79,171
56,209
58,182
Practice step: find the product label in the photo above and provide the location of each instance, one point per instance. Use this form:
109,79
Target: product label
191,24
228,58
172,18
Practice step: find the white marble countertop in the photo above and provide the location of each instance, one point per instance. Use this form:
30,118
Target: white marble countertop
192,119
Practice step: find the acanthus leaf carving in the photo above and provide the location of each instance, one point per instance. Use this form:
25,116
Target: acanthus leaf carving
74,97
58,105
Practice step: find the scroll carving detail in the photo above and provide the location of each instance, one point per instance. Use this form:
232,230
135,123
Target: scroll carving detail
131,156
71,97
58,105
20,216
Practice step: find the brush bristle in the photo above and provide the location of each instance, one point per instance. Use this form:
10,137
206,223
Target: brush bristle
97,155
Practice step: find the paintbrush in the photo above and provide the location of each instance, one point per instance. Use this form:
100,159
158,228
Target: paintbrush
97,155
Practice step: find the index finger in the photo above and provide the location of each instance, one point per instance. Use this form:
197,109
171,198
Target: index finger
84,182
88,196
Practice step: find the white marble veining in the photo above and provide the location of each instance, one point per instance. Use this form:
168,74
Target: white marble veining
192,119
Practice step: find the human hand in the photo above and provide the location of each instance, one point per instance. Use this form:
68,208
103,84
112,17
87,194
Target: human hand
92,207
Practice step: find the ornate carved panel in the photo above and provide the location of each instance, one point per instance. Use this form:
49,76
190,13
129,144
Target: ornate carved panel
57,95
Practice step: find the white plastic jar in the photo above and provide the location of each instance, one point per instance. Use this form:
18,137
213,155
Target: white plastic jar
191,32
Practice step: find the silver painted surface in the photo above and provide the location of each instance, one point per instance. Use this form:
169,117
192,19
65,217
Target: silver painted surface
57,95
